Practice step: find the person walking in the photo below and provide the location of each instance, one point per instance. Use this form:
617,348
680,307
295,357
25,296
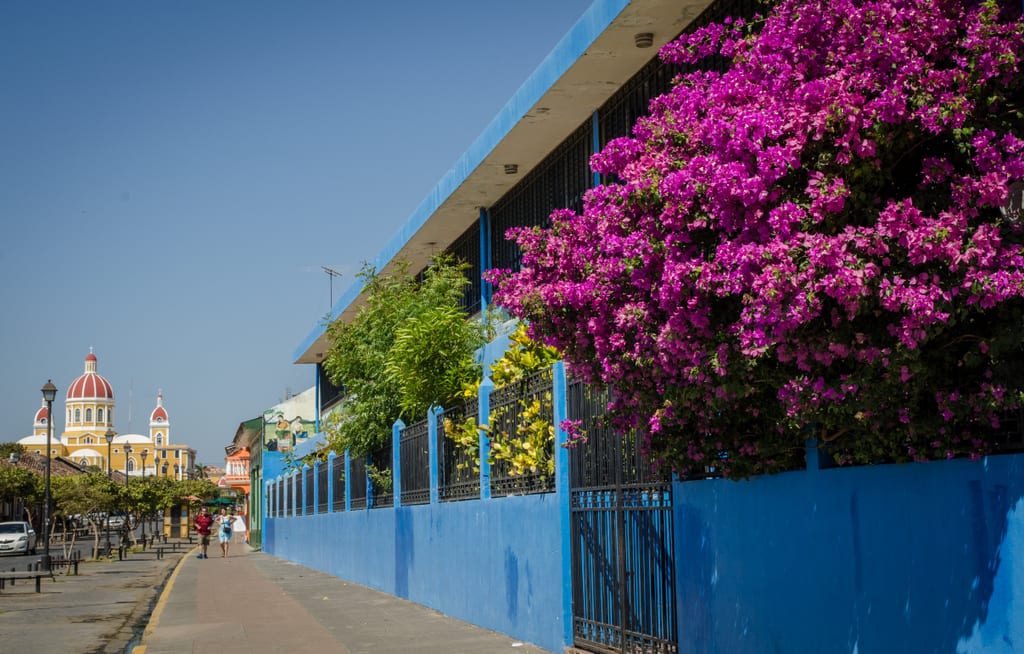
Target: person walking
202,524
224,530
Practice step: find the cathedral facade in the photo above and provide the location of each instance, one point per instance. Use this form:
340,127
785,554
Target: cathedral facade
89,438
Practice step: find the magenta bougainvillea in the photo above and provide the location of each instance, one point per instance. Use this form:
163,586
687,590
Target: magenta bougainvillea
824,241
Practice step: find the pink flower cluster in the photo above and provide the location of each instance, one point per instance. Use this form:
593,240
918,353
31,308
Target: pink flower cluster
812,244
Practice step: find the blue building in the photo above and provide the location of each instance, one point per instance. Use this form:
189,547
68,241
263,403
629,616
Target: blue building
923,558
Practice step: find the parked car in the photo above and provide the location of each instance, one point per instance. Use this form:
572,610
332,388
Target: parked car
17,538
117,520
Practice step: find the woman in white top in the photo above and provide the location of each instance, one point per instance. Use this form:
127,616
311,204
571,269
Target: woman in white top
224,525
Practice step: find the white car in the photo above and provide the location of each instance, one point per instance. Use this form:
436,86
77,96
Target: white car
17,538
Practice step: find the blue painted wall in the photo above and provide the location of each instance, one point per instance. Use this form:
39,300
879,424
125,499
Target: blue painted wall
495,563
915,558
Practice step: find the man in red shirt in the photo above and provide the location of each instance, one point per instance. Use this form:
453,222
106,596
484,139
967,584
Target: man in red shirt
202,526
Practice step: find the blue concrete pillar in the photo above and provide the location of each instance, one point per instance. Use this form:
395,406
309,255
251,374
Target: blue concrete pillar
367,482
484,412
294,483
396,461
485,257
348,481
432,451
331,456
316,485
561,454
305,486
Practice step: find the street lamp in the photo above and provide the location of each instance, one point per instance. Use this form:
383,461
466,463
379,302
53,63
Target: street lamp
143,454
49,394
127,515
110,439
127,451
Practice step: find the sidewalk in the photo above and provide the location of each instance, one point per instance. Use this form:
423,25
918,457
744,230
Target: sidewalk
255,603
103,610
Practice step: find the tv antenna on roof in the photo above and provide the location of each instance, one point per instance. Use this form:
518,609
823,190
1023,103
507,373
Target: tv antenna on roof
332,273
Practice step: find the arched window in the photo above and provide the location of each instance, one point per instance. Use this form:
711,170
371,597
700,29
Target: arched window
87,440
83,461
159,439
78,415
131,465
99,415
88,415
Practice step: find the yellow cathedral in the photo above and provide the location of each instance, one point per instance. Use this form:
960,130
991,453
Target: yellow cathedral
89,438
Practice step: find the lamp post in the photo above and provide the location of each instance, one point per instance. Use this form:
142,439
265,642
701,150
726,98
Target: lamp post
49,394
143,454
127,451
127,515
110,439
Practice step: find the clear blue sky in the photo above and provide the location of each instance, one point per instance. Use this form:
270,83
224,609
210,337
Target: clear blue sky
173,175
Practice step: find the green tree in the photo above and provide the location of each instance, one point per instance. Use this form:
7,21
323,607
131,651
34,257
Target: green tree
408,347
88,496
19,483
7,449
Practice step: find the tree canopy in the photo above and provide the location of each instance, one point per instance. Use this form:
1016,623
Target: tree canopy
817,241
409,346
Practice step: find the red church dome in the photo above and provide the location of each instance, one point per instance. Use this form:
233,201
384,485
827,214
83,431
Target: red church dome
42,414
159,413
90,385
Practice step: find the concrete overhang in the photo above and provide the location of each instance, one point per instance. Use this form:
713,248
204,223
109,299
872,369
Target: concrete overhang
587,66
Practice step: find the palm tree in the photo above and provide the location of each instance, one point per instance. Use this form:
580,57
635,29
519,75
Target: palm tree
200,471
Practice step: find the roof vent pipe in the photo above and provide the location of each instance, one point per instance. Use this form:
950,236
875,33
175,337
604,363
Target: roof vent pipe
644,39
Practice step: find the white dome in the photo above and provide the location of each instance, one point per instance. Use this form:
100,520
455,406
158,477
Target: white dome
86,453
40,439
132,439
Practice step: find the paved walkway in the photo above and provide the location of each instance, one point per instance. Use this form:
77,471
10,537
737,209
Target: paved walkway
103,610
255,603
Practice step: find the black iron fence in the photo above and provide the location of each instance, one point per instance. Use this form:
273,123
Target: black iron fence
357,467
381,479
286,495
414,456
338,477
458,471
523,410
307,490
322,476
